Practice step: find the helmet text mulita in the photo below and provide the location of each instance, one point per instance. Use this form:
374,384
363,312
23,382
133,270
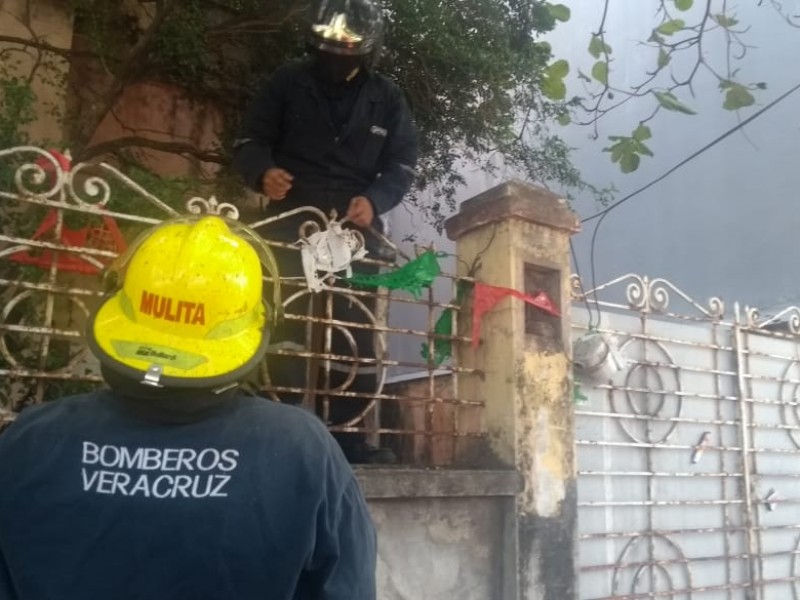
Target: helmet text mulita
169,309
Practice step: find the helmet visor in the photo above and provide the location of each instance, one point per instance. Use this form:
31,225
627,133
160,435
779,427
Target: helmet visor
346,26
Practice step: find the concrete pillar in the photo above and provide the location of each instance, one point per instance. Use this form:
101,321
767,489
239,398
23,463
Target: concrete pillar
518,235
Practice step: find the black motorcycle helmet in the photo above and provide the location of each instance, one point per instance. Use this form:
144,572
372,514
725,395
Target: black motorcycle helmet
346,27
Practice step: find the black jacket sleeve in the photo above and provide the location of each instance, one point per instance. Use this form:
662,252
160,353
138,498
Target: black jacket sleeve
6,587
342,565
398,158
350,572
261,130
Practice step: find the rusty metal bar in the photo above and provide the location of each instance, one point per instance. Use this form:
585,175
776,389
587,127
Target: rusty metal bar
639,503
655,445
674,593
726,513
54,375
383,396
609,566
656,474
46,287
370,361
699,589
394,431
371,327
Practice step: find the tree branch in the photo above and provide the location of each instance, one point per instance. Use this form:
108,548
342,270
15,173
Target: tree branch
36,43
133,66
179,148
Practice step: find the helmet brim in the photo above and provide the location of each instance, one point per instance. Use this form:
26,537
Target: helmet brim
340,48
130,349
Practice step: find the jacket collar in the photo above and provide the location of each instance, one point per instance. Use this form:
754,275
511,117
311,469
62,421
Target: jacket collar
165,405
306,79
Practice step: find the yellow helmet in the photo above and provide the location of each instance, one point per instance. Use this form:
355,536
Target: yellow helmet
189,312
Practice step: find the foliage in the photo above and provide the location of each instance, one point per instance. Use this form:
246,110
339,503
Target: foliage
482,82
473,73
682,32
16,110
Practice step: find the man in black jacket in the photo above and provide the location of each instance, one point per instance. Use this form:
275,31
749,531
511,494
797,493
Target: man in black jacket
330,132
333,134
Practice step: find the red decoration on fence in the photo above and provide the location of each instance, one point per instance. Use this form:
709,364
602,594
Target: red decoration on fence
64,161
106,236
103,237
487,296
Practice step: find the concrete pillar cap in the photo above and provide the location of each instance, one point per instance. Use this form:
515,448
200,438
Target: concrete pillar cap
513,200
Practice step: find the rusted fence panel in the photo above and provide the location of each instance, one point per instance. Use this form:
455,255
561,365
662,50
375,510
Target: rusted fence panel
62,223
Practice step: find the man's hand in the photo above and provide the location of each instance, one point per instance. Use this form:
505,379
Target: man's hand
276,183
361,211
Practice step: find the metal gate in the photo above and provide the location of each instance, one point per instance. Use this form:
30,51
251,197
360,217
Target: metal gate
689,478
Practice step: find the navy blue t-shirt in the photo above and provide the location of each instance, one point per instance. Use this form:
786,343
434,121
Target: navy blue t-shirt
255,502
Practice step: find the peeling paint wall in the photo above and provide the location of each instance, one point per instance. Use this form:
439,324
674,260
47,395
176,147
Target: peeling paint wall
440,549
547,424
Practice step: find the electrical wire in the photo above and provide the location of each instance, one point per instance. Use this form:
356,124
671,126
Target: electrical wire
601,215
690,158
592,267
580,283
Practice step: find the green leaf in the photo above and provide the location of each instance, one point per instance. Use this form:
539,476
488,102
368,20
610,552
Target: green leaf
628,151
600,71
558,69
738,97
554,88
595,46
670,102
725,21
622,145
559,12
684,4
564,119
663,58
642,133
598,47
671,27
642,149
629,162
616,151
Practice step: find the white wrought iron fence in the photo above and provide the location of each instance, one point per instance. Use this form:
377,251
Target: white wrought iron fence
689,479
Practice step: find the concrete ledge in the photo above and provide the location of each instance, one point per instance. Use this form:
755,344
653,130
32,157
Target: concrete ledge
513,200
383,482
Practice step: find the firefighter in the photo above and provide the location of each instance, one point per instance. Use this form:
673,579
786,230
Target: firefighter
172,483
332,133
